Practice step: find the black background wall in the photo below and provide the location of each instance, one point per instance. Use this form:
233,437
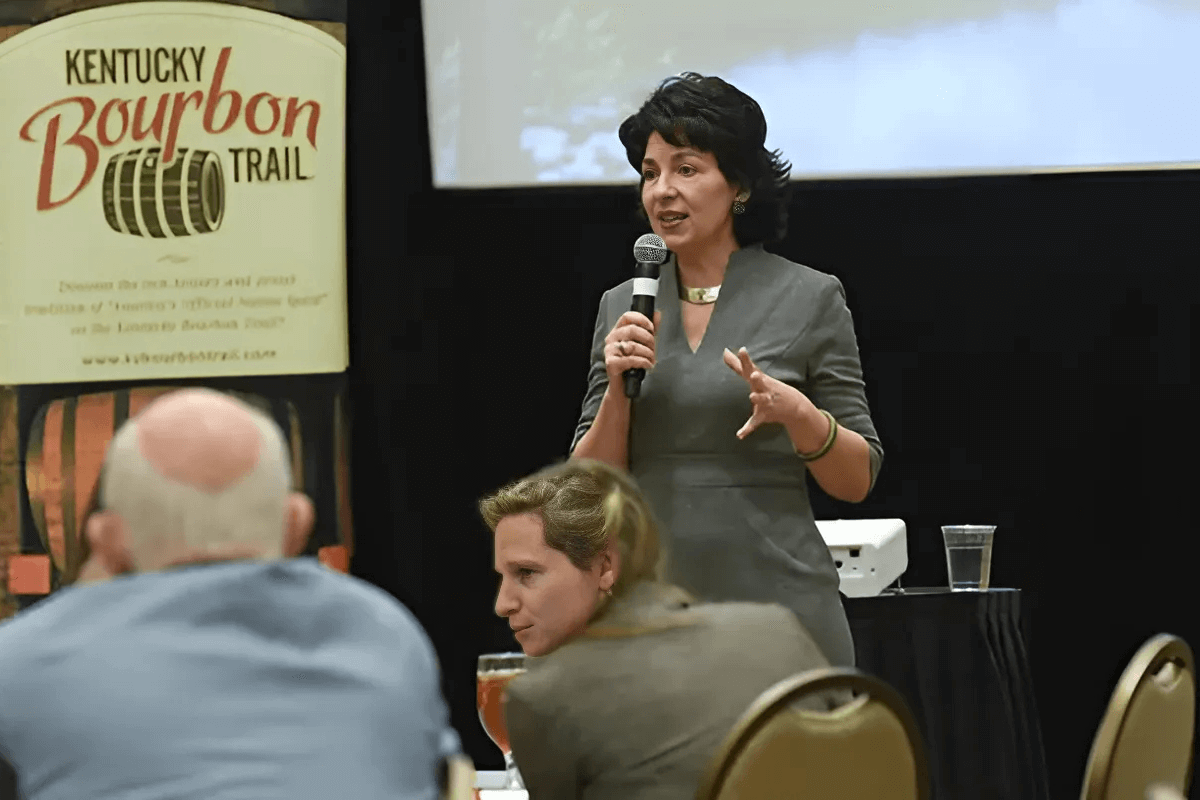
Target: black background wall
1027,341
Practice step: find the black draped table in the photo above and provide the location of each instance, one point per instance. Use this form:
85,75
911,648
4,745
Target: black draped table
959,659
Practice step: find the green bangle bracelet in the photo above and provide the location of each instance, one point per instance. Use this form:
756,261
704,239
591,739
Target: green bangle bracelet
825,448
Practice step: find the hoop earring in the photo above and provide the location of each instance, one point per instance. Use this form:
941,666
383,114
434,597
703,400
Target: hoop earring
739,207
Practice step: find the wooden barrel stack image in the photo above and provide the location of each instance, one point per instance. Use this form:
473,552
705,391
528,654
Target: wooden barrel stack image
65,453
144,197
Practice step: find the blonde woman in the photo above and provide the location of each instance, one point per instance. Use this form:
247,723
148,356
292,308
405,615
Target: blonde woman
632,684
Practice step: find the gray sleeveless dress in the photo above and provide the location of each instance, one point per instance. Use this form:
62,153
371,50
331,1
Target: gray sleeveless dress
735,513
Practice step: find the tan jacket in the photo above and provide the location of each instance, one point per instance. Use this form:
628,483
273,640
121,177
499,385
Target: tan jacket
634,708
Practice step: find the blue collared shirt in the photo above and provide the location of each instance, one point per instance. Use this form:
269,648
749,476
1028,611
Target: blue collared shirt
233,681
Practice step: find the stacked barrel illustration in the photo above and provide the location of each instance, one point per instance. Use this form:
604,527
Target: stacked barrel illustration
145,198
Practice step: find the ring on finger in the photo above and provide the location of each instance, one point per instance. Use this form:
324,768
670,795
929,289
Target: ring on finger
624,348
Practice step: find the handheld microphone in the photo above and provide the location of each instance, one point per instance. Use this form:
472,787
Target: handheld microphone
650,252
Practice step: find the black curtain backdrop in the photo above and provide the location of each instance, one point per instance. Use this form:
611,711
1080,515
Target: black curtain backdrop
1027,343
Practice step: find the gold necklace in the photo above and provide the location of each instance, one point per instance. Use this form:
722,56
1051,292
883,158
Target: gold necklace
700,297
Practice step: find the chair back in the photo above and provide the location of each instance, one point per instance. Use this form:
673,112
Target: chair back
790,743
1161,791
1147,733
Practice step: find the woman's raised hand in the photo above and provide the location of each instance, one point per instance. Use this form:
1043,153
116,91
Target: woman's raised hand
772,399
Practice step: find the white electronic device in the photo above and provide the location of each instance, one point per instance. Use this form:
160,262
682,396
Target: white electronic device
870,554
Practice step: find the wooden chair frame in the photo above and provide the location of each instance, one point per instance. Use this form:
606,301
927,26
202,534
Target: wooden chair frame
784,694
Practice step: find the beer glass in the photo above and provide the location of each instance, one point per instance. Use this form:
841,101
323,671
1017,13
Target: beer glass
493,674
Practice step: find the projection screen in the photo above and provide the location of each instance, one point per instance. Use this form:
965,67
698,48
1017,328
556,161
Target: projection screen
528,92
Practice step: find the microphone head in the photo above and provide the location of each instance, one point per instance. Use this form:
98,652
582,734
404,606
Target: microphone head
649,249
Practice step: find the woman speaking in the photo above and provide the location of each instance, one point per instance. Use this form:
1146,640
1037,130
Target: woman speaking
753,374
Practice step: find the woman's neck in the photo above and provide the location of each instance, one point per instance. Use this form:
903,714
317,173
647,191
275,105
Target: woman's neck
706,268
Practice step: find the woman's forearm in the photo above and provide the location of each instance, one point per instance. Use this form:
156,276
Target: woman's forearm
844,473
608,438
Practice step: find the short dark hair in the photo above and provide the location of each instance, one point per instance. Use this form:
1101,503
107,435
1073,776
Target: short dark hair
709,114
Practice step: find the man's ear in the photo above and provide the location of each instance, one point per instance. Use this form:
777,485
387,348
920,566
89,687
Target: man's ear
109,538
298,525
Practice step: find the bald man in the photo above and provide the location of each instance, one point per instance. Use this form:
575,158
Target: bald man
216,666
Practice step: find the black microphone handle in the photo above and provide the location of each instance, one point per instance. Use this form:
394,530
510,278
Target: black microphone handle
643,304
633,382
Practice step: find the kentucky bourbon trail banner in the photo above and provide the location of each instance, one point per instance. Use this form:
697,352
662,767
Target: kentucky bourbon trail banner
173,198
172,206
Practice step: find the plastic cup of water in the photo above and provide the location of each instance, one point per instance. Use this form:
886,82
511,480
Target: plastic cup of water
968,556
